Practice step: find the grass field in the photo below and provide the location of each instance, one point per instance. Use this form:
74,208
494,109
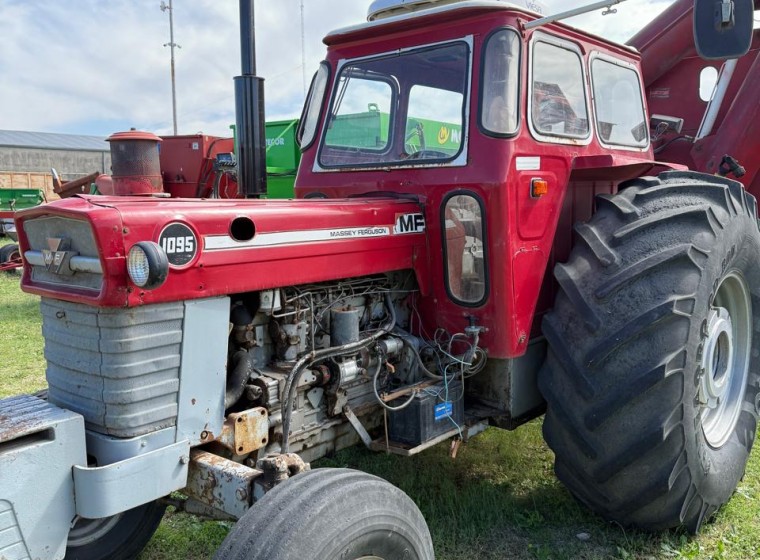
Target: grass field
498,500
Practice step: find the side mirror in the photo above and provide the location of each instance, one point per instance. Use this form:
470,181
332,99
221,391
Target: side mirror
723,28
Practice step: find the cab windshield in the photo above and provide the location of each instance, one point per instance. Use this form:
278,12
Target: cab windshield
407,108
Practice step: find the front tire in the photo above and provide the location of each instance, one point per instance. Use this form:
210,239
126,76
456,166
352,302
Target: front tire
120,537
652,373
330,514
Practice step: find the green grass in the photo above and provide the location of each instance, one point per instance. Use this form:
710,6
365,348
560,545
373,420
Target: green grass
22,365
498,500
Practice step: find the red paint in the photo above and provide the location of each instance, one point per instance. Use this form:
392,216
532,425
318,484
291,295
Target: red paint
187,165
119,223
521,230
671,64
524,235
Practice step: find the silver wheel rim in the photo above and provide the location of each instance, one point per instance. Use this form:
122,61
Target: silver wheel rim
86,531
370,558
725,359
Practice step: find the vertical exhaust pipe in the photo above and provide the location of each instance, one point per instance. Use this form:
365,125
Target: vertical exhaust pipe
249,111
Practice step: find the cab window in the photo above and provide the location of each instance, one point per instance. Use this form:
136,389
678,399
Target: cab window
558,102
499,105
398,109
464,244
619,104
362,119
434,121
313,107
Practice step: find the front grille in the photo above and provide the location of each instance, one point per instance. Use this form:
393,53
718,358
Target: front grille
119,368
78,234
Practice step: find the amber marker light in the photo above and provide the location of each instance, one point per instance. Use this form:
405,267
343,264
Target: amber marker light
538,188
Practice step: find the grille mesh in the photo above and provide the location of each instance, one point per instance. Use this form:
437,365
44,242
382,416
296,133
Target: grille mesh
119,368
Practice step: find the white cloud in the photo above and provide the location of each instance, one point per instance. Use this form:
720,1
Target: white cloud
91,66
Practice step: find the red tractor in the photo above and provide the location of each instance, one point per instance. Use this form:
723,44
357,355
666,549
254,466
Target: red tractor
219,346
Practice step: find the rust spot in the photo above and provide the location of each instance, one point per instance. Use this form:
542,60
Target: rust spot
246,431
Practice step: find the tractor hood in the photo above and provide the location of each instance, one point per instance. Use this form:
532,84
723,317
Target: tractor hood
76,249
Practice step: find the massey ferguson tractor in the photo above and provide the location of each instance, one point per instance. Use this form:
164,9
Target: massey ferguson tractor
406,297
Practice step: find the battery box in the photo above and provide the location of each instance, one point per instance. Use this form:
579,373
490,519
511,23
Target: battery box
430,414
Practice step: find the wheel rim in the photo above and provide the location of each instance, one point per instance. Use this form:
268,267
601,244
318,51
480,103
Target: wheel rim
370,558
725,359
86,531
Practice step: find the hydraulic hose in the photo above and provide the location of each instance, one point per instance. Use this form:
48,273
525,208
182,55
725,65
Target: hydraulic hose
241,372
291,384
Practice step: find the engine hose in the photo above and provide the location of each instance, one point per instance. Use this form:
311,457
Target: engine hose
291,384
377,395
237,379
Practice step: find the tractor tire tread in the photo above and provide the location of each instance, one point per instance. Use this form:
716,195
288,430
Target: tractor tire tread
313,508
615,410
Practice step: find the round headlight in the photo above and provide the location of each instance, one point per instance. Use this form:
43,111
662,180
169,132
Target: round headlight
147,265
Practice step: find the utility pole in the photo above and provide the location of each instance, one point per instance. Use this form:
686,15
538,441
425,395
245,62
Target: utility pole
303,50
172,45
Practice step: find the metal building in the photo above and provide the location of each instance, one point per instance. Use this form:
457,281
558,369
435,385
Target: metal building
27,157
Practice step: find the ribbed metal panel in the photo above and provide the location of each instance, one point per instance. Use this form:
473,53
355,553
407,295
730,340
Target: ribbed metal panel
12,545
119,368
24,415
52,141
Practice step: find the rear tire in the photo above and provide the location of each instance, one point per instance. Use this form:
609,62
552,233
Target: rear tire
330,514
121,537
652,373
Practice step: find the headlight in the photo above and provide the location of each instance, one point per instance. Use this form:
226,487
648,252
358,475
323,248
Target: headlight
147,265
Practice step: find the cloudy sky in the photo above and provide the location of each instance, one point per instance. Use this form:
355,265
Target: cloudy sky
99,66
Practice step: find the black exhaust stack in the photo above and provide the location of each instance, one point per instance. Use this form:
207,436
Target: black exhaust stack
249,112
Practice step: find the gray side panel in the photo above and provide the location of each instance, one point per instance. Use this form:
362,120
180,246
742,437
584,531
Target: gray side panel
510,387
106,491
119,368
108,449
39,445
525,396
204,368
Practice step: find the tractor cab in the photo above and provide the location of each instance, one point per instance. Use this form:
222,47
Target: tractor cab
490,123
